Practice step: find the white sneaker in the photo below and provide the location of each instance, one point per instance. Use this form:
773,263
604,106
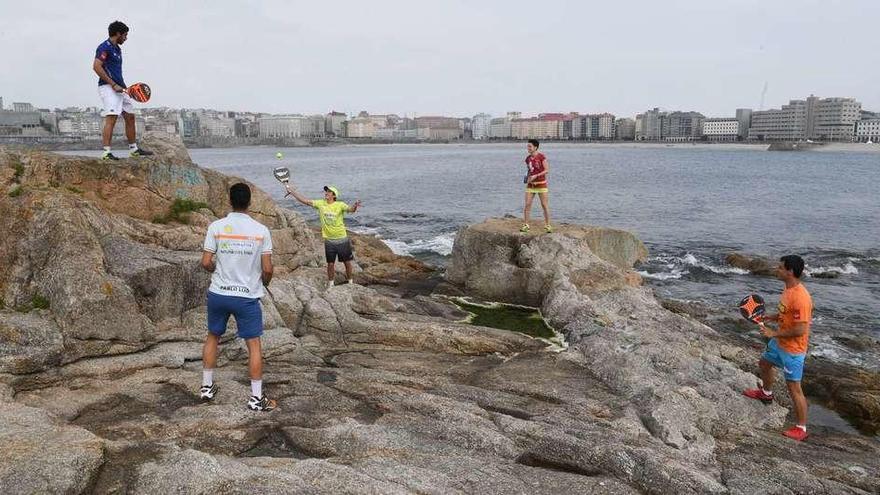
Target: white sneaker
207,392
261,403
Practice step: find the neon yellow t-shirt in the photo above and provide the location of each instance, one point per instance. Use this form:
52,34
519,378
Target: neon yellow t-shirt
332,225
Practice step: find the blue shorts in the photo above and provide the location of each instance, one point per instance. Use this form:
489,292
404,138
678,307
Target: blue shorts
792,365
247,312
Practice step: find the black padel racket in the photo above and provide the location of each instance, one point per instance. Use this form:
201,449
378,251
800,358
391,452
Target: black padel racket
752,308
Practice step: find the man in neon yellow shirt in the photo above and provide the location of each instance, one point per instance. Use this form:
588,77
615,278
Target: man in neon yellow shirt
331,211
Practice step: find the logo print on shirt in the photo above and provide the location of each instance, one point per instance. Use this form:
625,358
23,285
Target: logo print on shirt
227,229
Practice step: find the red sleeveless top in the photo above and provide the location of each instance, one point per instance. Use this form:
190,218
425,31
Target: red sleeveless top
536,166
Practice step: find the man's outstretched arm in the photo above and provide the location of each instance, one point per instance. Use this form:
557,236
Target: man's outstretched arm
297,196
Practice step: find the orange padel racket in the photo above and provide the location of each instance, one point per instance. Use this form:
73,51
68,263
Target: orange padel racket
139,92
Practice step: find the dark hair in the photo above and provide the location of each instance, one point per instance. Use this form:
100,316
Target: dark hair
793,263
116,27
534,142
240,196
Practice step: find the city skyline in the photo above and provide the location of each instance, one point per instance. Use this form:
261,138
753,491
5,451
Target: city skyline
454,59
813,118
7,104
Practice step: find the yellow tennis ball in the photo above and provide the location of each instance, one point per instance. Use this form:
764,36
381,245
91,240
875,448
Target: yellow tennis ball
279,155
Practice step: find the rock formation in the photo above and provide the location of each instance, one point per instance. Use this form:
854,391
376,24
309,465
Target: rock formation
100,348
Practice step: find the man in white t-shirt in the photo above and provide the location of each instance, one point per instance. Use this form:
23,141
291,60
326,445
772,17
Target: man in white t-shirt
238,251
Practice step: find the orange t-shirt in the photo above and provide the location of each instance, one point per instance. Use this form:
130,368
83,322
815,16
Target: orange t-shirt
795,306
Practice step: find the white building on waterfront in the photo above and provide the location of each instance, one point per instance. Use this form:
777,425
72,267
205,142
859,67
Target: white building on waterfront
22,107
682,126
315,126
91,125
480,125
724,129
649,125
593,126
868,130
821,119
282,126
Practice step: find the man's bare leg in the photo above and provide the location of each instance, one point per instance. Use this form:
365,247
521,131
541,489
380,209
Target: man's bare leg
331,271
348,270
107,135
130,129
799,400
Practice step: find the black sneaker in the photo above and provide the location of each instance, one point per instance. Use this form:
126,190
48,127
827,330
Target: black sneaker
261,403
109,156
207,392
141,152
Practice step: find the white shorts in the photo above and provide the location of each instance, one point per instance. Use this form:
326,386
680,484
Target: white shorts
114,103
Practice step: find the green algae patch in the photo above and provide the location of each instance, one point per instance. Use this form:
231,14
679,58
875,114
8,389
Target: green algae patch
522,319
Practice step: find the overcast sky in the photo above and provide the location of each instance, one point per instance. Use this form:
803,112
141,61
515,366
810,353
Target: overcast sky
449,57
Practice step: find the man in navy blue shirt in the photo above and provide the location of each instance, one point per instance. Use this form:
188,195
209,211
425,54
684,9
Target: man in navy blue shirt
111,88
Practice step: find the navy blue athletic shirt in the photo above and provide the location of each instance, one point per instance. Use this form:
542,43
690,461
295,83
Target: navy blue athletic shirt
111,55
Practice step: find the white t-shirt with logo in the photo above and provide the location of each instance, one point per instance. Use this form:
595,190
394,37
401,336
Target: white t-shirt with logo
238,242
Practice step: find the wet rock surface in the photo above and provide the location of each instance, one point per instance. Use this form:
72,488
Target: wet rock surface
380,390
753,264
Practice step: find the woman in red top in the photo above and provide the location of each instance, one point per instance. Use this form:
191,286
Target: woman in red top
536,183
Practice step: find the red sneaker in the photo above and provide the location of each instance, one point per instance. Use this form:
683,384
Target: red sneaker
758,394
795,433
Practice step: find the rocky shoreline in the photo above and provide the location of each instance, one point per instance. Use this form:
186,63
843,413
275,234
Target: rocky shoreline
381,387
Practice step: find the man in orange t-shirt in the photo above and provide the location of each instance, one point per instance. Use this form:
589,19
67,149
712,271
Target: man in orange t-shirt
787,347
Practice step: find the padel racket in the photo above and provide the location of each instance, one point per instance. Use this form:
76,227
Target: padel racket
282,175
752,308
139,92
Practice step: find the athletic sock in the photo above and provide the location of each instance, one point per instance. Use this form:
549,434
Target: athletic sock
207,377
132,147
106,149
767,392
803,427
257,388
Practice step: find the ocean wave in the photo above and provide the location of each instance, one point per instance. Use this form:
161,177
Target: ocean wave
441,244
847,269
364,230
836,352
674,274
691,260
